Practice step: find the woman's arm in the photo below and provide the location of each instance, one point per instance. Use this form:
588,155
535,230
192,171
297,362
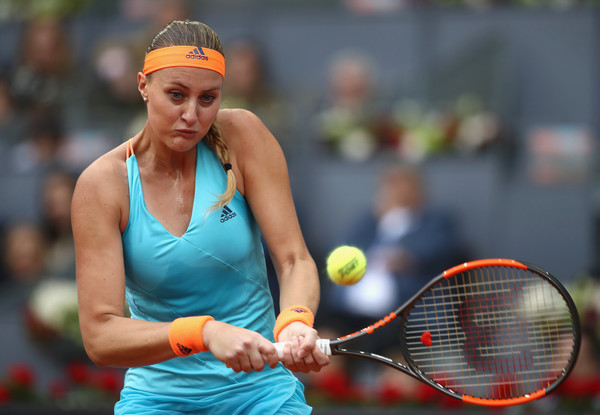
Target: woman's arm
265,184
109,337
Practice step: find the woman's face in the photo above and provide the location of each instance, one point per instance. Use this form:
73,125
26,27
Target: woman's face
182,104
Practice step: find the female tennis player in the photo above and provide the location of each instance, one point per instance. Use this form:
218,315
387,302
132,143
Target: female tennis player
170,223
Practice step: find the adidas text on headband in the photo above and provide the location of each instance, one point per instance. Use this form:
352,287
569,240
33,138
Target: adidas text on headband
190,56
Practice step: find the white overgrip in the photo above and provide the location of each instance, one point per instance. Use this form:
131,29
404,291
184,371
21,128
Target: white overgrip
323,344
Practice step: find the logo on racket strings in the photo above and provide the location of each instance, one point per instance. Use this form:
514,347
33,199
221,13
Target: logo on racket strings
489,346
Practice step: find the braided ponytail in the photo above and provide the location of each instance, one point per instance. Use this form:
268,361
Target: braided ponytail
213,140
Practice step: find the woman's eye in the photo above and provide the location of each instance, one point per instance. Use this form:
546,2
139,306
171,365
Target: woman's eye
207,99
176,95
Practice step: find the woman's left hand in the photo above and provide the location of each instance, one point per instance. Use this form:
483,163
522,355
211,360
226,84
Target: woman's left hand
301,353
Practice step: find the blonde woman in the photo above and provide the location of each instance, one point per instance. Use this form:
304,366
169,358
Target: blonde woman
171,220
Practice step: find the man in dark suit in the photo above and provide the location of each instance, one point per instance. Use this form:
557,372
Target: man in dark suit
407,242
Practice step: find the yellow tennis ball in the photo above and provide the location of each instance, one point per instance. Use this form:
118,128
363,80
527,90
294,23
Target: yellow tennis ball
346,265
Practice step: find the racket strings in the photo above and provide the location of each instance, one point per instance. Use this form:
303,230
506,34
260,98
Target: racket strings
496,332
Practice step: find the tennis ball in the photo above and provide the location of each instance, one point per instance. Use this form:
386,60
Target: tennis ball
346,265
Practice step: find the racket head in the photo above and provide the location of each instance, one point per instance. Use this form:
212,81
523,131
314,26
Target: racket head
492,332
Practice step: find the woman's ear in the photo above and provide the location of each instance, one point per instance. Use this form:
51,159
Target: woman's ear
143,86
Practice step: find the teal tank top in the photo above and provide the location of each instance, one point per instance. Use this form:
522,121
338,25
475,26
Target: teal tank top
217,267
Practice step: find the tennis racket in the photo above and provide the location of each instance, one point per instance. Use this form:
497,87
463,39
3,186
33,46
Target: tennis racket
492,332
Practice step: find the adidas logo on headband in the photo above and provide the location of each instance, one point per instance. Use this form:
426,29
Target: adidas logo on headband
196,53
173,56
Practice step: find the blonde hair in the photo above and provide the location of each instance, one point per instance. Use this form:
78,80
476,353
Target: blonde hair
193,33
213,140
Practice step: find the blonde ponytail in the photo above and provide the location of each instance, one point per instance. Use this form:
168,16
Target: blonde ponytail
213,140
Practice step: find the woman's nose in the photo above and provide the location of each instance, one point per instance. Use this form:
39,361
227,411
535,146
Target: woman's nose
190,112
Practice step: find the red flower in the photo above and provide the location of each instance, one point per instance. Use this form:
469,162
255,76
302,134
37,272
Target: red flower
390,394
21,375
336,385
110,380
78,372
4,393
580,387
426,394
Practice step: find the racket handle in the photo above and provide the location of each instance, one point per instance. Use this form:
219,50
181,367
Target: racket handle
323,344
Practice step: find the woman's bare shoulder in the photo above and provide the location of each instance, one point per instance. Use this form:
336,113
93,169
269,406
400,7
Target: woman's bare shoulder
237,118
105,177
243,131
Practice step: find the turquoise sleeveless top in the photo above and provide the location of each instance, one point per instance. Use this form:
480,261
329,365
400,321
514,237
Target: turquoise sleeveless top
217,268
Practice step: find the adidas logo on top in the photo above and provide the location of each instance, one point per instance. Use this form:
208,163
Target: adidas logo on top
227,214
196,53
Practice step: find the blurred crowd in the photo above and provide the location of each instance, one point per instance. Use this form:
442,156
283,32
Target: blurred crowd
59,112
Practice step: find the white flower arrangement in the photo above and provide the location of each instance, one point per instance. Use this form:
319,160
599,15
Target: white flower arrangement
53,303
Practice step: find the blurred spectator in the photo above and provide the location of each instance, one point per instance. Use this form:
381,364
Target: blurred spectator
24,254
248,84
43,73
114,102
113,98
154,15
57,193
351,121
40,148
157,12
11,123
373,7
407,242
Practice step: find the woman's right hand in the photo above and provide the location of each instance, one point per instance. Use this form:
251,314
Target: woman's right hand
240,349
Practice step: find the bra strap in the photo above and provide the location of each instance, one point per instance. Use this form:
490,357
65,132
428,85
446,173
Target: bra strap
130,148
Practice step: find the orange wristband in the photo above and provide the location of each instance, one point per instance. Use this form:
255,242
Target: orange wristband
291,314
185,335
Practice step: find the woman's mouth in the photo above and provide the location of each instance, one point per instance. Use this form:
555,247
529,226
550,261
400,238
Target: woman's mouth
186,131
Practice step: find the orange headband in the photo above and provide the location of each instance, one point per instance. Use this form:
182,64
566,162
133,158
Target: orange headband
192,56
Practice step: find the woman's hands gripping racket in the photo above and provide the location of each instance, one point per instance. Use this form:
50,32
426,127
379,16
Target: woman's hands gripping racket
491,332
